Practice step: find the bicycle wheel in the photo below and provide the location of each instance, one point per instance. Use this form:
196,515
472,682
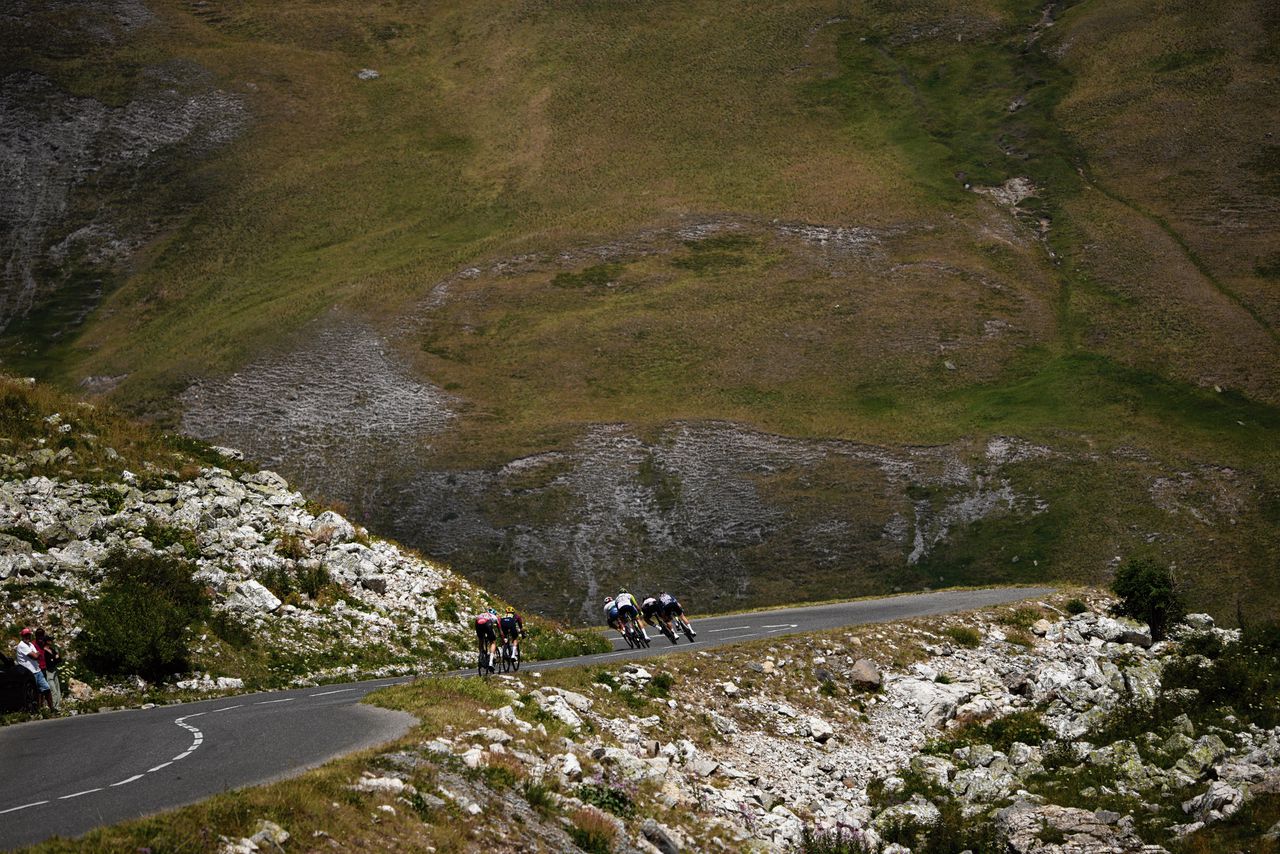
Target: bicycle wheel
688,630
515,658
482,665
667,630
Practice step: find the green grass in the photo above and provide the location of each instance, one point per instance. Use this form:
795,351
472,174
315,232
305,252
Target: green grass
521,132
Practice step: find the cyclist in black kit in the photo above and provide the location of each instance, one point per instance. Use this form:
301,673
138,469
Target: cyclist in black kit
511,627
487,634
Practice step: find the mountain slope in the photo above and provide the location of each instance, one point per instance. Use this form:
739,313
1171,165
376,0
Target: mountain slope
581,294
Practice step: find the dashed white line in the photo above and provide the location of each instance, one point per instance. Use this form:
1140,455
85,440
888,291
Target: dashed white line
181,756
747,635
226,708
327,693
78,794
24,806
730,629
269,702
158,767
129,780
781,626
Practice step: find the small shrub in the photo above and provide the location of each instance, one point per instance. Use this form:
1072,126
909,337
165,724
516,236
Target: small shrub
607,797
538,794
1147,593
1000,733
661,684
290,546
312,581
828,689
1020,638
840,840
965,636
503,770
163,536
277,580
1076,606
592,830
942,679
1021,618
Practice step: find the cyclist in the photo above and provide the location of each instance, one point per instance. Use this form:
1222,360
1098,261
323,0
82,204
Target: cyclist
511,627
612,617
629,609
672,612
651,610
487,634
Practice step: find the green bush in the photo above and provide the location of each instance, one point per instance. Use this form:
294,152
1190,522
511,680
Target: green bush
163,536
661,684
841,840
139,623
1147,593
607,797
1000,733
1076,606
1243,680
966,636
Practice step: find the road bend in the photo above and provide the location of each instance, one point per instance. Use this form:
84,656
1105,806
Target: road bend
66,776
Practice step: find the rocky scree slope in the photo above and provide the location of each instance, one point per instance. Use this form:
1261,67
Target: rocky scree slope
246,533
987,730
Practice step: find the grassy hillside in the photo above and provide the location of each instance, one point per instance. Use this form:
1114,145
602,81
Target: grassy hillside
775,214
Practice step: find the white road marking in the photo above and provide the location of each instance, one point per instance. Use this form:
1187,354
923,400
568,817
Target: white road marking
269,702
23,807
78,794
747,635
226,708
189,717
158,767
731,628
781,626
180,756
130,780
327,693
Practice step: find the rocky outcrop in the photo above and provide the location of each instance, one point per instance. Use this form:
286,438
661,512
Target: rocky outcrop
244,535
757,761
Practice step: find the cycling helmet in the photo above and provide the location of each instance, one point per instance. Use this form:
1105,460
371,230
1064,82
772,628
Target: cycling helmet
622,592
493,611
608,599
510,611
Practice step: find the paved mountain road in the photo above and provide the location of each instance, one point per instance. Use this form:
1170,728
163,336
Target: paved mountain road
69,775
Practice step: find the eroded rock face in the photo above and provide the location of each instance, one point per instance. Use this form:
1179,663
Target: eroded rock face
74,170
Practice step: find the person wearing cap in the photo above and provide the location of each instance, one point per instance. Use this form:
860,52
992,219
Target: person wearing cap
28,656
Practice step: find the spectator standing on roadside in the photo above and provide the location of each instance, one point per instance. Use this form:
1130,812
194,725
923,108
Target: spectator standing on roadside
28,656
50,658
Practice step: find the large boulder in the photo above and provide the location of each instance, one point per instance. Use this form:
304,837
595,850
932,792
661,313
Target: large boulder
865,674
1202,756
1221,800
250,597
330,527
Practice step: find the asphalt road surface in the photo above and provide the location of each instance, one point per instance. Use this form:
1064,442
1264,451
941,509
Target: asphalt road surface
67,776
